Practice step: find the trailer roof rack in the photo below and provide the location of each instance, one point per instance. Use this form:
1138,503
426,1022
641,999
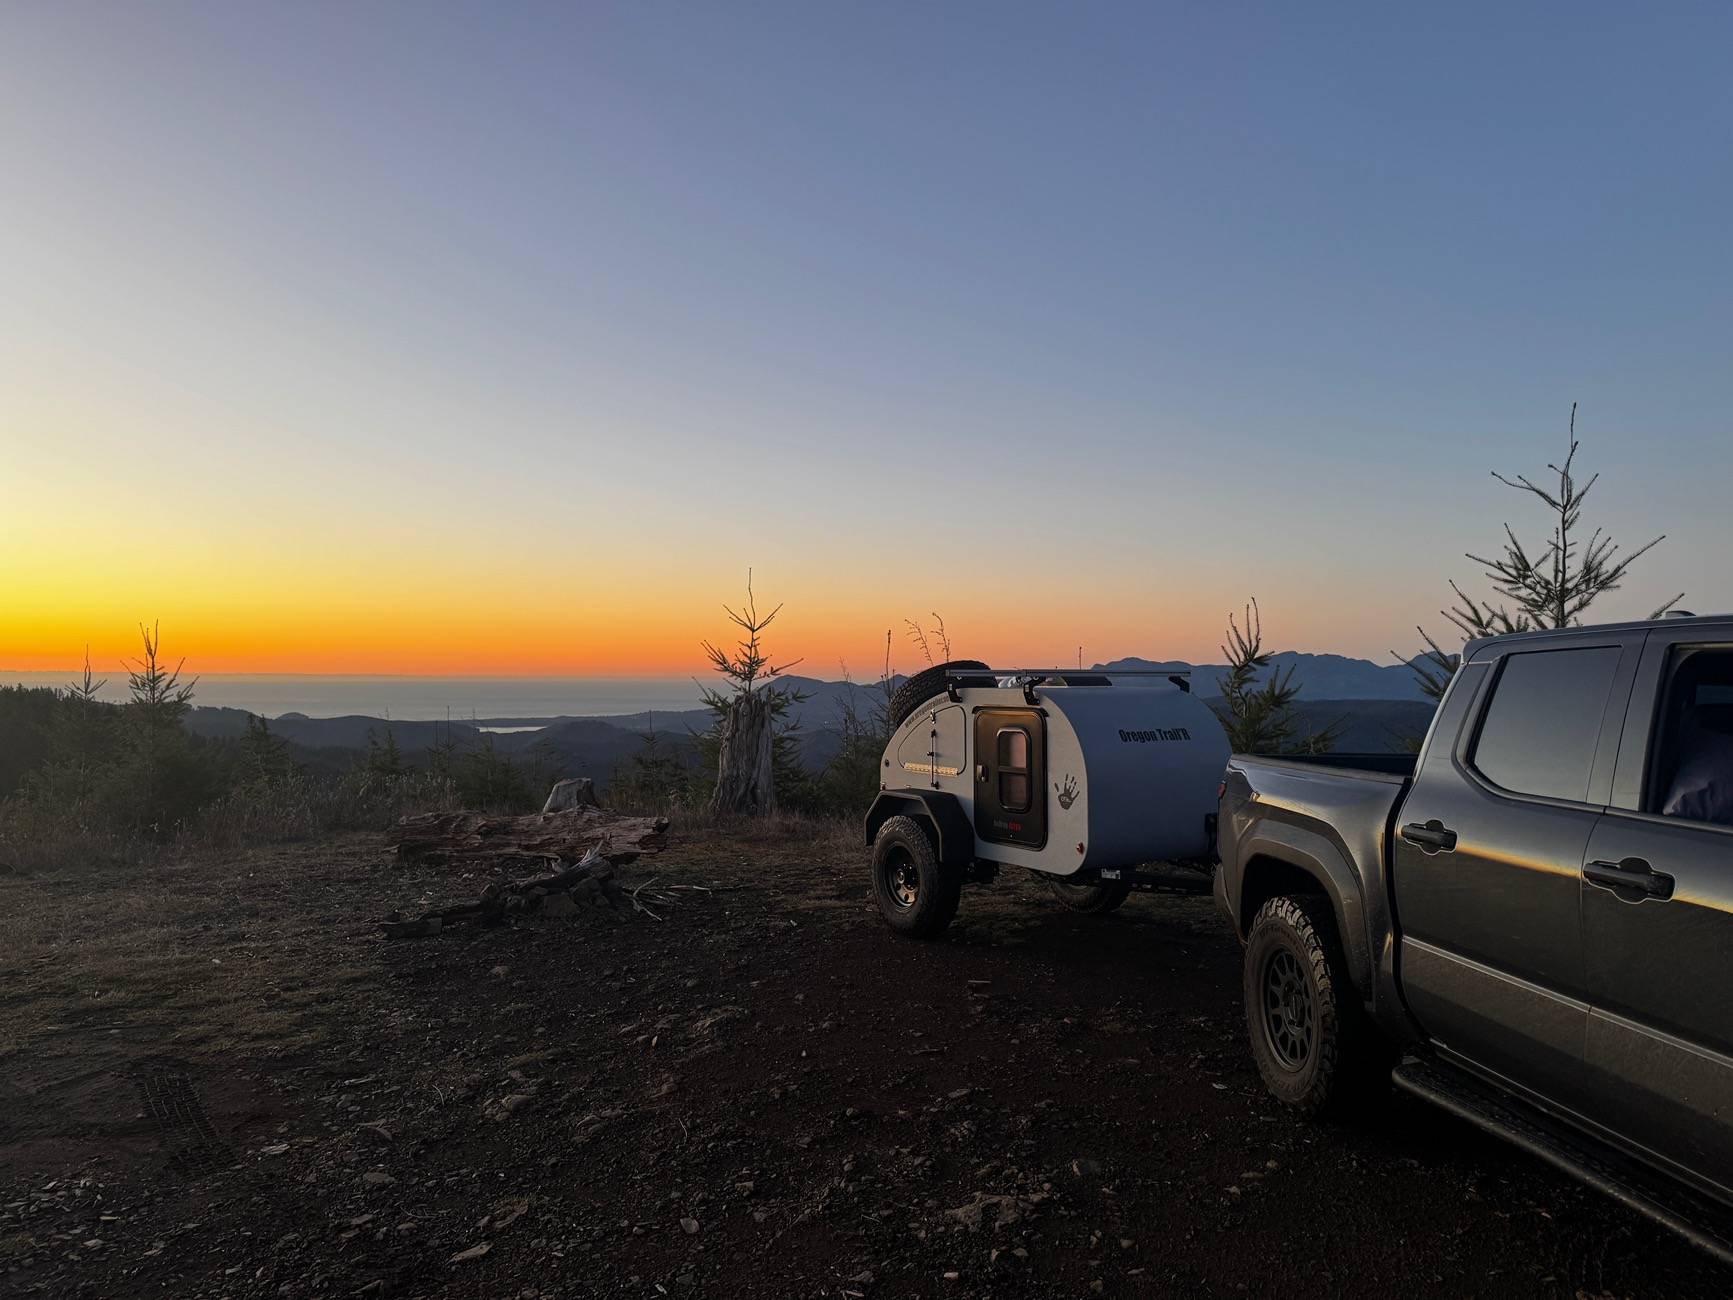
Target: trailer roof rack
1180,677
1093,672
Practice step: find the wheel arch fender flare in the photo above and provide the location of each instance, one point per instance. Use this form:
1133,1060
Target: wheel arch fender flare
1298,848
953,834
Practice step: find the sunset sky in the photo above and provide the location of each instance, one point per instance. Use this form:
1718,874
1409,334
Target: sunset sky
501,339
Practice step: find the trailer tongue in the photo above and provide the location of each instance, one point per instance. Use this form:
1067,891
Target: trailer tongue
1079,776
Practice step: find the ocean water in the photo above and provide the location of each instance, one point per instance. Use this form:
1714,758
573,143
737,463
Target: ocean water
419,699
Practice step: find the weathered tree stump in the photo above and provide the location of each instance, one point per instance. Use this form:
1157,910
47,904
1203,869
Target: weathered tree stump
573,792
745,769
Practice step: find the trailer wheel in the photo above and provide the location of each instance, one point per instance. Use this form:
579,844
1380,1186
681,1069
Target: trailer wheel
925,684
1313,1042
1096,899
917,894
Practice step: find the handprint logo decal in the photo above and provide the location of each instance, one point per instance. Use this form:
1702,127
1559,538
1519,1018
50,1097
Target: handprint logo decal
1067,792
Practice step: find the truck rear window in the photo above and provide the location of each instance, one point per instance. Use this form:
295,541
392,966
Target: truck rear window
1539,732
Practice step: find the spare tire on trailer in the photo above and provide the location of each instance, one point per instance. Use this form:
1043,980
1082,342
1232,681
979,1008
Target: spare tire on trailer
920,688
1094,899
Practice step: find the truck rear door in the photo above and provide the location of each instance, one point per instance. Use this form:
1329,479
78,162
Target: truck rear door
1488,854
1657,898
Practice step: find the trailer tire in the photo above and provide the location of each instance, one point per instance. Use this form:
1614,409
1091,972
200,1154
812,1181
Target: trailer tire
1092,900
1314,1045
916,893
925,684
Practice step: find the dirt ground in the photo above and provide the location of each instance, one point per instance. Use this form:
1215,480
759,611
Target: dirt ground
215,1080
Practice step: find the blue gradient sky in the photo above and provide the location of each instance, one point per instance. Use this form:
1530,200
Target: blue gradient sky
450,338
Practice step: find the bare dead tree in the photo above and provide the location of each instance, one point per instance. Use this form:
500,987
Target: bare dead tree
919,635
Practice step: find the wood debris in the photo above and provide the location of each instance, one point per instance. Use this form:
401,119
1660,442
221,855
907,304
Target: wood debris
556,893
470,838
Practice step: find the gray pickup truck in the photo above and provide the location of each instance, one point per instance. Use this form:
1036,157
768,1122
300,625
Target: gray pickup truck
1530,922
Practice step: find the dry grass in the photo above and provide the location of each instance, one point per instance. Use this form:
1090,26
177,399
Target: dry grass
301,808
294,807
32,839
212,946
183,949
819,834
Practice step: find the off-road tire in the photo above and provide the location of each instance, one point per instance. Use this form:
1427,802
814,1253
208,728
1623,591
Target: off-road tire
916,893
1091,900
1330,1055
925,684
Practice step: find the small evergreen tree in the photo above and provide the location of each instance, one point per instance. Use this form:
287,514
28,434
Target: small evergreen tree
1259,717
751,713
165,775
442,753
84,739
1550,585
1433,667
265,759
384,759
850,781
85,689
488,779
159,699
654,779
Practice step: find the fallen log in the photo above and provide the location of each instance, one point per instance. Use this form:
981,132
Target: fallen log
564,836
591,879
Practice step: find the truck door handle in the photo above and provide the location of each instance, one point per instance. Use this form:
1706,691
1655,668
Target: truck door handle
1632,874
1430,837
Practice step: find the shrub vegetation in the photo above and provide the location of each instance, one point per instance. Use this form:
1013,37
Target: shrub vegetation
85,781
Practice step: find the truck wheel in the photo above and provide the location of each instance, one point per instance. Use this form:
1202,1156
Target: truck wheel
1093,899
925,684
917,894
1310,1036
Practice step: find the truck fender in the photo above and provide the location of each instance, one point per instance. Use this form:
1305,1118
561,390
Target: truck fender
1322,860
953,833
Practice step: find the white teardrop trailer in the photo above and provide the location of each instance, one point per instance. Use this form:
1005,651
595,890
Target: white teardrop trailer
1081,777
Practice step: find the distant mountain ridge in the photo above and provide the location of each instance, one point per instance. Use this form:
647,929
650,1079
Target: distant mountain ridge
1319,677
1377,705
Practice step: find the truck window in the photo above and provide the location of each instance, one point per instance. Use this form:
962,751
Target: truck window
1693,773
1539,731
1014,770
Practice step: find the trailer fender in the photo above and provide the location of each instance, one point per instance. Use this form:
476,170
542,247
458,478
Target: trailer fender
952,832
1295,847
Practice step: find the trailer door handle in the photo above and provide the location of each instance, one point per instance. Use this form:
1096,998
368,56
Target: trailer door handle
1630,874
1430,837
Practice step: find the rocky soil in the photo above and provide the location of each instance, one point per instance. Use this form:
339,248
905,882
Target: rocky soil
217,1079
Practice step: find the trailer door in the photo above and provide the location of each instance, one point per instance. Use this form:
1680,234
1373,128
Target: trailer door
1011,777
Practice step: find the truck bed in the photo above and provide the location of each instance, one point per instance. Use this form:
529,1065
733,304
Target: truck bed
1396,767
1339,808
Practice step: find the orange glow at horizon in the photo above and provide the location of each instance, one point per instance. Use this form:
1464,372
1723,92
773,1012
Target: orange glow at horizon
510,629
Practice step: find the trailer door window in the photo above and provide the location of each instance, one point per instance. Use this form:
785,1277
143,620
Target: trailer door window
1013,768
1010,777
